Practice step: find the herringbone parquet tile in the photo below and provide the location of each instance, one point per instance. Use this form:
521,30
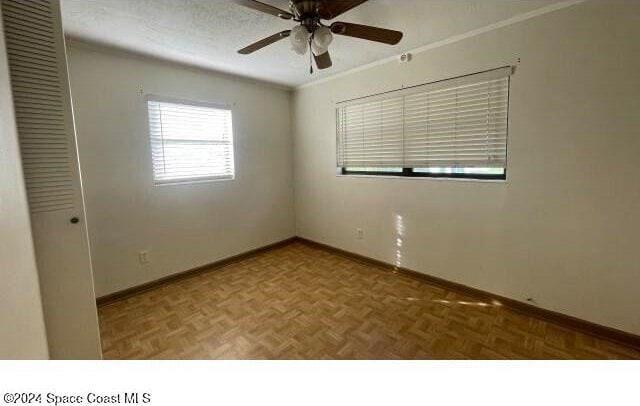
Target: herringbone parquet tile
301,302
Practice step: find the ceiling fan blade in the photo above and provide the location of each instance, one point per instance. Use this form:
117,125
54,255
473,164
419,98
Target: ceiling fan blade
367,32
323,61
265,8
264,42
330,9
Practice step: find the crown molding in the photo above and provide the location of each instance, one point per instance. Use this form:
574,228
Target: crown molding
456,38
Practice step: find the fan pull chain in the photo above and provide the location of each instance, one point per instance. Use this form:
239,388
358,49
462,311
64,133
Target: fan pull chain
310,58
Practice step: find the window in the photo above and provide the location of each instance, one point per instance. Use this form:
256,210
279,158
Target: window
455,128
190,141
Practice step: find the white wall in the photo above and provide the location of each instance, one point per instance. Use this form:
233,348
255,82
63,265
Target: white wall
564,227
183,226
22,332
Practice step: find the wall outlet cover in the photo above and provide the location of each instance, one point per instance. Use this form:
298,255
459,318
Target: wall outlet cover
143,257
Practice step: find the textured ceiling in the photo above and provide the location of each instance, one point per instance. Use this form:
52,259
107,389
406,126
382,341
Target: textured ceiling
207,33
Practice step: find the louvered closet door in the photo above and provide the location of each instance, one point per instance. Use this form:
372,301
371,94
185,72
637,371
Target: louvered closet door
37,63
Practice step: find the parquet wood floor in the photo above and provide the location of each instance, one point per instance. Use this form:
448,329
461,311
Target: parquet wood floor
302,302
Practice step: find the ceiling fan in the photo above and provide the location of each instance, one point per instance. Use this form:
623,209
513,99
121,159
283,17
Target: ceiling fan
312,33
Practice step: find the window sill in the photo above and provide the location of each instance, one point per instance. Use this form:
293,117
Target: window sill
439,179
192,182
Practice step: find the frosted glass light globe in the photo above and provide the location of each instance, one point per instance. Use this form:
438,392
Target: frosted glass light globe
300,39
322,38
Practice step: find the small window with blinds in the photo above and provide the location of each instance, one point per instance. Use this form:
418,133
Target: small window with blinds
454,128
190,142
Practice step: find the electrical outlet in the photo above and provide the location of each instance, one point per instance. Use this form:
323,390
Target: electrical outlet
360,233
143,257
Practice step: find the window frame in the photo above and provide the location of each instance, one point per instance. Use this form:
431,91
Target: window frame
195,103
408,172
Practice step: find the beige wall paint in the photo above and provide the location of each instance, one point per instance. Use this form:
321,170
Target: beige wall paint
182,226
22,335
563,229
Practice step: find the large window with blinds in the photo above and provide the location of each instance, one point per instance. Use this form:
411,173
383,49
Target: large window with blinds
454,128
190,142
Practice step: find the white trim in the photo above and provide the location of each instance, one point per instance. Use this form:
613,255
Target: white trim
456,38
150,99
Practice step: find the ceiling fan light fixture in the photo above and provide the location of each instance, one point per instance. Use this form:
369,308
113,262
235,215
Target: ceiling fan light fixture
322,38
311,32
300,49
300,39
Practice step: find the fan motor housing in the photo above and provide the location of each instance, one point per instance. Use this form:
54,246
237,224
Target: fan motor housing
304,8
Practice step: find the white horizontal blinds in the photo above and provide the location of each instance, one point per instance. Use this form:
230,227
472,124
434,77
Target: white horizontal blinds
190,142
370,134
462,126
33,54
460,122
